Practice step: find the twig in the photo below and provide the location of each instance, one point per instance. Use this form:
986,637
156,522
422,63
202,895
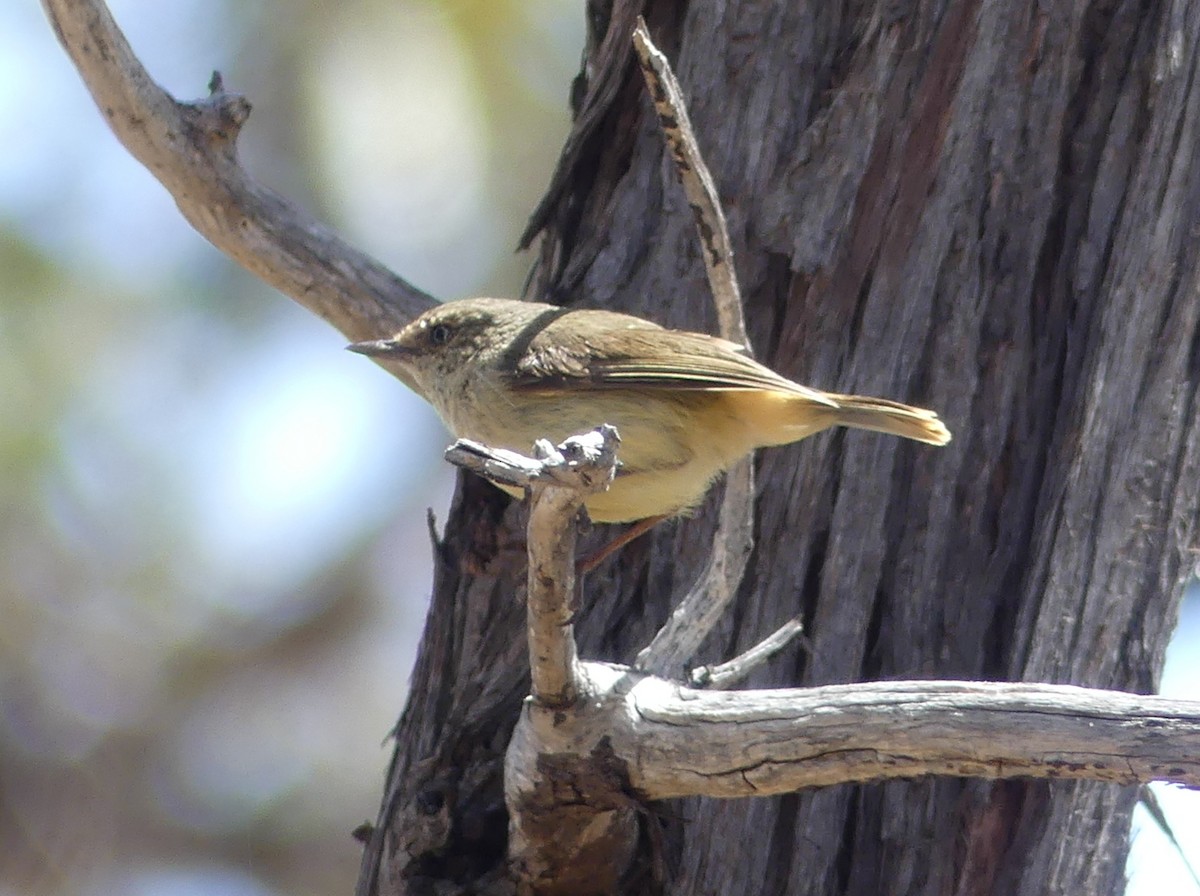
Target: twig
191,148
697,184
710,596
558,480
723,675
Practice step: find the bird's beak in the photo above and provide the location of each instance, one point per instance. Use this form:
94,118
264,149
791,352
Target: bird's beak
378,348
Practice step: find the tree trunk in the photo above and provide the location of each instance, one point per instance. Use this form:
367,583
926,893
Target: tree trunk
985,208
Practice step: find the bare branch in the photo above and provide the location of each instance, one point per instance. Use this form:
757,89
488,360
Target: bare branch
642,735
191,149
754,743
582,465
681,742
727,674
697,184
558,480
707,600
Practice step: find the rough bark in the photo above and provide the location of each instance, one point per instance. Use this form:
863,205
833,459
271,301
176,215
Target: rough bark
986,208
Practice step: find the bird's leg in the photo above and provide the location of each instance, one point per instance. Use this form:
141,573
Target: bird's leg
594,559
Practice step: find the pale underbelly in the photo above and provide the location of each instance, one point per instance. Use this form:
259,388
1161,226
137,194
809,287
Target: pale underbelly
670,451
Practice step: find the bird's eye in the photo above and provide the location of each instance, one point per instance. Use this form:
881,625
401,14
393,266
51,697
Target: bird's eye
439,334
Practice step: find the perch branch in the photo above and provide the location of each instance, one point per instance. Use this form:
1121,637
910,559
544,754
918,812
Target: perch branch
677,642
558,480
557,844
191,148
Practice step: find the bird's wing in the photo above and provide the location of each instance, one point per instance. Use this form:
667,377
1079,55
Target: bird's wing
615,351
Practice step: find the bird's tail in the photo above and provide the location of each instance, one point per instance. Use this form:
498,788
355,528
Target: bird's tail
891,417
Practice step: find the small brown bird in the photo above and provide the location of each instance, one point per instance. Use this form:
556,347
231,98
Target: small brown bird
687,405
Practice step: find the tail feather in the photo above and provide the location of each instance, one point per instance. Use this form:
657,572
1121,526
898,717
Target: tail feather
892,417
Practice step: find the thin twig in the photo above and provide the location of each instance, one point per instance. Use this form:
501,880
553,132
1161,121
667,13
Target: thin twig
677,641
697,184
724,675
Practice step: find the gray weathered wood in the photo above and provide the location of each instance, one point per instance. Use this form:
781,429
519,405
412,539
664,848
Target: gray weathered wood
670,741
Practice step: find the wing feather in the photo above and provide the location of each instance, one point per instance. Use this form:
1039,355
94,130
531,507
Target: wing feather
604,350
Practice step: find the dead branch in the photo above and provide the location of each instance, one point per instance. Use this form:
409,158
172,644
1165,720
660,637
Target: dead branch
725,675
191,147
754,743
555,843
558,479
708,599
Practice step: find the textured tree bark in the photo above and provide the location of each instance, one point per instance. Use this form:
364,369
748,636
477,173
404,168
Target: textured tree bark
985,208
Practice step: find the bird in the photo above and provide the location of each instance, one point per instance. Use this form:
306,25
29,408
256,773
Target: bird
687,405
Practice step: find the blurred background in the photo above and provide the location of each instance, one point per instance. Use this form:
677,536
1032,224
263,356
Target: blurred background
214,561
